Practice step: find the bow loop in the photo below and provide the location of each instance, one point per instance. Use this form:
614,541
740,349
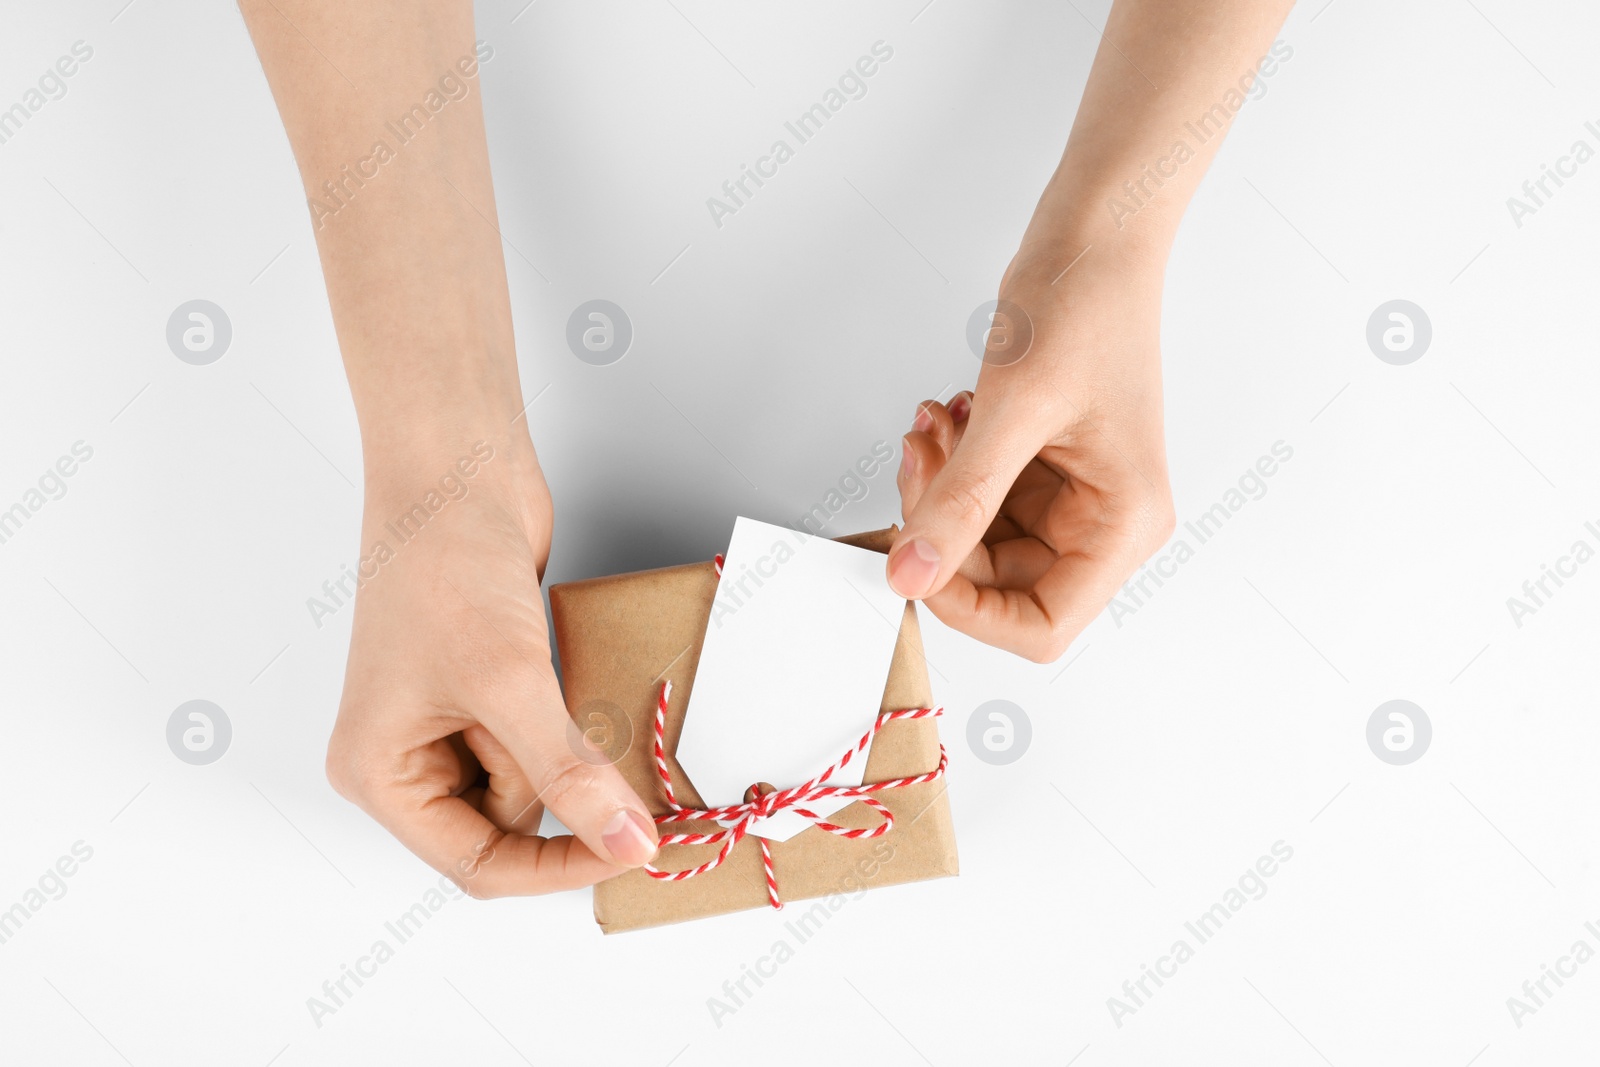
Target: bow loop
763,801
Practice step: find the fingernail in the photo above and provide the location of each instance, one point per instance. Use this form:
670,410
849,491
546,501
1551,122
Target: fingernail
961,406
908,458
627,839
923,420
914,568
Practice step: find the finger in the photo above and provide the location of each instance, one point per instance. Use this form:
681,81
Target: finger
509,800
1002,530
1020,561
997,559
467,780
960,410
1041,622
933,419
590,797
960,501
960,407
1006,526
921,461
941,424
485,861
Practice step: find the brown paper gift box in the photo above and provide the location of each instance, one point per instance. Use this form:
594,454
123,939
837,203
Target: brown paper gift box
620,637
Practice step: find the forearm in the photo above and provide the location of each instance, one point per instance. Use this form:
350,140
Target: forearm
404,216
1169,77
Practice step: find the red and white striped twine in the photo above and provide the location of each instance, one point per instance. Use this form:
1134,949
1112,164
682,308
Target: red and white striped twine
738,818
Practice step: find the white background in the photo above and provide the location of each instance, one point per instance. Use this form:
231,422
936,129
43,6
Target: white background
1168,753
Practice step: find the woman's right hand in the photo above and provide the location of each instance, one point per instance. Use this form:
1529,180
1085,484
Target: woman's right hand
449,674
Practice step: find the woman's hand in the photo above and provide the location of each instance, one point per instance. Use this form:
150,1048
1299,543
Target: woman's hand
1028,502
450,674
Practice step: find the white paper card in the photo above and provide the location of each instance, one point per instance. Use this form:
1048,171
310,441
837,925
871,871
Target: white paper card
792,671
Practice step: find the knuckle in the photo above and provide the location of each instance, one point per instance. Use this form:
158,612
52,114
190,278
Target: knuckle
487,662
467,872
964,498
568,779
469,884
498,672
492,657
473,886
1048,649
1150,523
1163,518
341,768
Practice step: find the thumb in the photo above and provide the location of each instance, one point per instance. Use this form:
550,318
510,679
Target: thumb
579,785
954,512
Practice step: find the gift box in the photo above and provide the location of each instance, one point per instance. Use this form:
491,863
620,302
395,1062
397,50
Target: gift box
621,639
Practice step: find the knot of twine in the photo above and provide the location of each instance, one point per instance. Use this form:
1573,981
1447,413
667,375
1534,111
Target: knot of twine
736,819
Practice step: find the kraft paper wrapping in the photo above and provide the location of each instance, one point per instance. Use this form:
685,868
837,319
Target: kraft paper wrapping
620,637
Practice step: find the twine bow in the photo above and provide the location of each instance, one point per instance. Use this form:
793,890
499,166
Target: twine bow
736,819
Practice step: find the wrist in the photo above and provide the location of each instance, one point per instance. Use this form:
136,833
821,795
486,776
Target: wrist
450,456
426,403
1076,267
1082,224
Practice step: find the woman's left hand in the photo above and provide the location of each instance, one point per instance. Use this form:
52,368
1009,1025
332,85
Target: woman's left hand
1028,502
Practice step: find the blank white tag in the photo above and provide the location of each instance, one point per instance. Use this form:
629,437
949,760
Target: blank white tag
793,668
